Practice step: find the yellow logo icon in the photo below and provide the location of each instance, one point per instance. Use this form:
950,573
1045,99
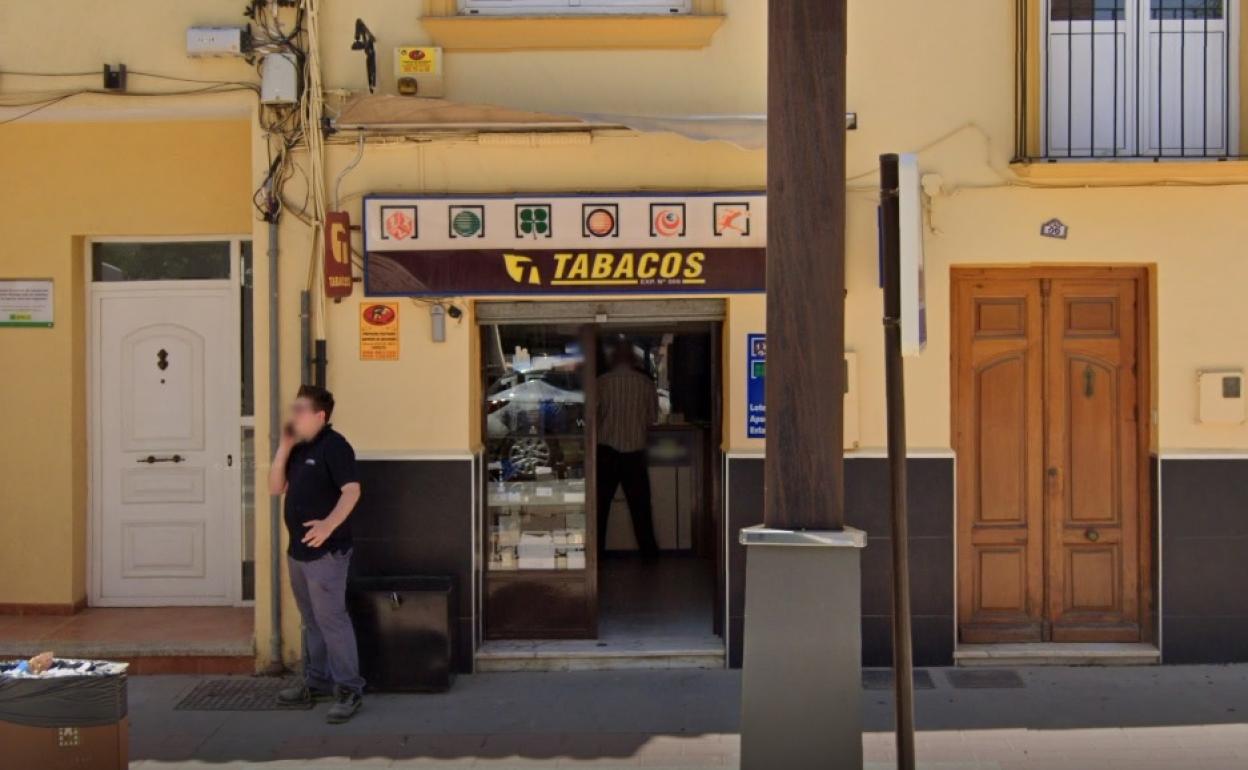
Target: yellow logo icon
521,269
340,243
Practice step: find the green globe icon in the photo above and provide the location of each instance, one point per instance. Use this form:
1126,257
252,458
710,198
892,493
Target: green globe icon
466,224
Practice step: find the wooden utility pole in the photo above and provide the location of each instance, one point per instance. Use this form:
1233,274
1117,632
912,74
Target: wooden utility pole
805,265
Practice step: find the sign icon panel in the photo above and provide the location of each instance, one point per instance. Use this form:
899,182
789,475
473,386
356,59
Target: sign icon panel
732,220
398,223
533,220
667,220
466,222
600,220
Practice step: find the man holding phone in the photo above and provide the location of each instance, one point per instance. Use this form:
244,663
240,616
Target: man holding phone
315,468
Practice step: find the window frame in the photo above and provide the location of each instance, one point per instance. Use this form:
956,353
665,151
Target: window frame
1137,25
574,7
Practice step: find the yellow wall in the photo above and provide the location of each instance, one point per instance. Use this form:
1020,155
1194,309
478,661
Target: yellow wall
950,96
64,182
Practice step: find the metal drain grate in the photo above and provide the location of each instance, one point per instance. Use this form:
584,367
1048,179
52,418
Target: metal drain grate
242,694
985,679
882,679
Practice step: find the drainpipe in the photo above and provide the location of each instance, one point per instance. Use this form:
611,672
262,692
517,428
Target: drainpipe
276,665
305,338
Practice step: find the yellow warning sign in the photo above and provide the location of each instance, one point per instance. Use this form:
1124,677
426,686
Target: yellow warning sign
379,331
417,60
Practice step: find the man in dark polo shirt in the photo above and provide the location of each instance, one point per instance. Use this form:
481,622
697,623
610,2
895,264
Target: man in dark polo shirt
315,468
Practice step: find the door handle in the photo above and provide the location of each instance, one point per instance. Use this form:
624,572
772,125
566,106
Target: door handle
229,461
153,459
1092,535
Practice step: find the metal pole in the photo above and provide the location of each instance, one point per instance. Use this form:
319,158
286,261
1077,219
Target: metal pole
804,487
903,655
276,666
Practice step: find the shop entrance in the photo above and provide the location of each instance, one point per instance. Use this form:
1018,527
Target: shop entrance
1051,381
601,514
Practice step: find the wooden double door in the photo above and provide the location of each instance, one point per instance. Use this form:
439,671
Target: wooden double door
1050,431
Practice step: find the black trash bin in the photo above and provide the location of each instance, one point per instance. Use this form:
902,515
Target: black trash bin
403,627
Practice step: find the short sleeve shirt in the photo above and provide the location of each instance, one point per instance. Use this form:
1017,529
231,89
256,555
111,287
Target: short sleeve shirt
316,472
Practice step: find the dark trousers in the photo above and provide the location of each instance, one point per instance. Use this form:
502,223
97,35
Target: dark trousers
631,470
330,655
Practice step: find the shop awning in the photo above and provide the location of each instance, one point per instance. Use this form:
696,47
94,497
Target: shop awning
410,114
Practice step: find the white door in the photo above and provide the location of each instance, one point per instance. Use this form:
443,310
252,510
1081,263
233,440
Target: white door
165,460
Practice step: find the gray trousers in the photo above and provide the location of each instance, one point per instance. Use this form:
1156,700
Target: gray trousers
330,656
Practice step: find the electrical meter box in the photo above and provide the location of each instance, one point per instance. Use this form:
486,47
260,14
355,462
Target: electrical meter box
279,79
218,41
418,70
1221,396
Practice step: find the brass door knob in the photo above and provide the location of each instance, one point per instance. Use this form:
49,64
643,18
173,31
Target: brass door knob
1092,535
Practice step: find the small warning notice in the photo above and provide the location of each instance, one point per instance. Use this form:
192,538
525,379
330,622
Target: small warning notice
379,331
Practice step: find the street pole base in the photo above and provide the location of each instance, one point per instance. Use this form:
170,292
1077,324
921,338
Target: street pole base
802,679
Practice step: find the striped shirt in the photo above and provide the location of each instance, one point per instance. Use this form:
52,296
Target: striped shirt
628,405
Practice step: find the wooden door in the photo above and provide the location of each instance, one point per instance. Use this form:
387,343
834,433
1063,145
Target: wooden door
999,361
1092,460
1048,442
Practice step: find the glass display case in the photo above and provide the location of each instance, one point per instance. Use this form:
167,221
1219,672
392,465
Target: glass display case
537,531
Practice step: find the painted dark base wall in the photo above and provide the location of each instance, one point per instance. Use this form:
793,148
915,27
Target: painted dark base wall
415,518
931,502
1204,535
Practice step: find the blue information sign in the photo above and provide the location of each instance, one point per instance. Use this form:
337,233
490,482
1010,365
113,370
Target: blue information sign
755,386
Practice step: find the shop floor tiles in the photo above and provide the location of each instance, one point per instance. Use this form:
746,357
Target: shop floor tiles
154,640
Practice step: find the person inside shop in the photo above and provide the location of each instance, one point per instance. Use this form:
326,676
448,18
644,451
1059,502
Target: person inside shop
628,404
315,468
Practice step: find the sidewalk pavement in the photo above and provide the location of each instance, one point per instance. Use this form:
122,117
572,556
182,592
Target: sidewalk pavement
1155,718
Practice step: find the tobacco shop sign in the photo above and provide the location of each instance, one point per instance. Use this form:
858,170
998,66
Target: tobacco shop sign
565,244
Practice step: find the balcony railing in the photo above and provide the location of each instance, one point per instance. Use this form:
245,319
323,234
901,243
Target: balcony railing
1132,79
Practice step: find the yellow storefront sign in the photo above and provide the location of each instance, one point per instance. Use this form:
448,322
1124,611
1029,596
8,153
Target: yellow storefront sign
379,331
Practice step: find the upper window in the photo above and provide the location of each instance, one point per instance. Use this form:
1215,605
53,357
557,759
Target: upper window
1140,78
160,261
560,7
1109,10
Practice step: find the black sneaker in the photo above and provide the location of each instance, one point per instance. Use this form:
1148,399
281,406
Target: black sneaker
345,706
301,695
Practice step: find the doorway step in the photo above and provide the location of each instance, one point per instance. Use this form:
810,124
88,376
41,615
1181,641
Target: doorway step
1057,654
606,654
153,640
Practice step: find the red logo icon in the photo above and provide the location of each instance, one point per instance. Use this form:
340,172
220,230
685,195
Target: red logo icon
379,315
398,223
667,220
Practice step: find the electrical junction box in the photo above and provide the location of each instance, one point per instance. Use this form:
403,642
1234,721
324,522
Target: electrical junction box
279,79
218,41
1221,396
419,66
